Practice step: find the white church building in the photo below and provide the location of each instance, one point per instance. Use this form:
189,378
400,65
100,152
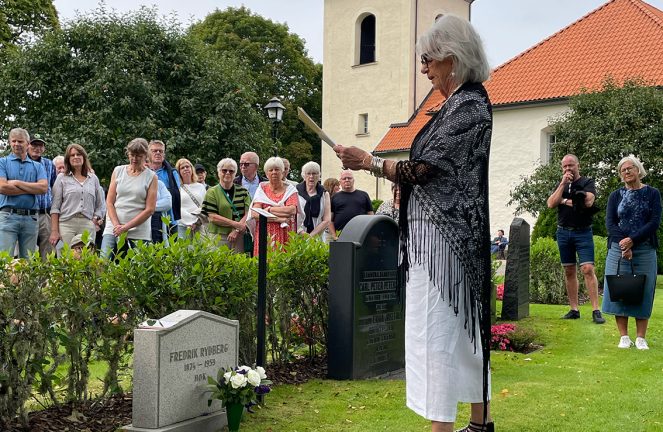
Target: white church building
375,98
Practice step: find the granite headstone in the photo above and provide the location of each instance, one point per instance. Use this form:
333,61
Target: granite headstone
366,312
515,303
173,356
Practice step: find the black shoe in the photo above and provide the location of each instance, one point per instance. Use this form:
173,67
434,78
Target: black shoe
477,427
572,314
597,317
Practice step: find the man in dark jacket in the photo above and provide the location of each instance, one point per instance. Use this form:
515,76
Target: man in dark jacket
170,177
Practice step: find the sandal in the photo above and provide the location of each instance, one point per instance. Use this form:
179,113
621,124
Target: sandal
478,427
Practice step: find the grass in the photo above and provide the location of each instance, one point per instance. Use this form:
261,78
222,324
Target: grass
579,381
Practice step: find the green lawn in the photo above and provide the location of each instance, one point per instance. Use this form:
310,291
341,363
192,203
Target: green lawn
580,381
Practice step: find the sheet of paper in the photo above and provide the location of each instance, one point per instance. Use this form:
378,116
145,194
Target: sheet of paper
263,212
308,121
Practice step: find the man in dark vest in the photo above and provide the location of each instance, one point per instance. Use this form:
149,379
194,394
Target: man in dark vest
170,177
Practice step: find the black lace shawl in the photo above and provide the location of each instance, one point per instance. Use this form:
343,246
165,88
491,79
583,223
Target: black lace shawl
448,175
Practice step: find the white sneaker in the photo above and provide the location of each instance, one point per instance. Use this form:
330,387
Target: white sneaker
626,342
641,343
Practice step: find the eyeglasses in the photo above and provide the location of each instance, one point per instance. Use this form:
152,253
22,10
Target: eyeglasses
627,169
245,164
313,174
227,171
426,59
157,151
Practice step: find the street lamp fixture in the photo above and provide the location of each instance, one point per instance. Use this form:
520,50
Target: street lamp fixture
275,111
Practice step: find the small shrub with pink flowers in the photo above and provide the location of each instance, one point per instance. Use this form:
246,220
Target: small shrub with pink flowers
500,292
510,337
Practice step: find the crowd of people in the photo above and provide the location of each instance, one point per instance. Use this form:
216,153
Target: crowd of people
46,204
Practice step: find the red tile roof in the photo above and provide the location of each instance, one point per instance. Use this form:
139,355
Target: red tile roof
621,39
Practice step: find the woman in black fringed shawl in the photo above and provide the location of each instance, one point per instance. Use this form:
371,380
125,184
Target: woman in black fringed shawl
444,228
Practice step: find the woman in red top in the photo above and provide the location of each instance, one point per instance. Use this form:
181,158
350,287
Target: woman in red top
278,198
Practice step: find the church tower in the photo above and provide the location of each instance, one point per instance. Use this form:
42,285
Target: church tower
371,73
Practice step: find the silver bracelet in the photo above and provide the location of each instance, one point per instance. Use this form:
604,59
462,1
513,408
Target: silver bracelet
377,166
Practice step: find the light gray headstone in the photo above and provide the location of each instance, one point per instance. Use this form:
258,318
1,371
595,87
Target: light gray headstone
173,357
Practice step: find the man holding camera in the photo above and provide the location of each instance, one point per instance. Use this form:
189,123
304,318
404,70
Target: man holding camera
574,199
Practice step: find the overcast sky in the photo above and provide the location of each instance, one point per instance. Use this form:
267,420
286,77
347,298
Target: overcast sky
507,27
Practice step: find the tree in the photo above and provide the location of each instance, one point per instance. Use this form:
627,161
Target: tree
106,79
20,19
601,128
279,66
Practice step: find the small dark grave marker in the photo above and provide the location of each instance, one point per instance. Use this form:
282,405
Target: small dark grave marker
515,304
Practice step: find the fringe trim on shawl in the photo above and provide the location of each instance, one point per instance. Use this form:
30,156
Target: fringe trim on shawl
421,237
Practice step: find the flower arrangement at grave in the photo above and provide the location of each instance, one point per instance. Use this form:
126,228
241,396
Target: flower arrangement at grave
241,385
510,337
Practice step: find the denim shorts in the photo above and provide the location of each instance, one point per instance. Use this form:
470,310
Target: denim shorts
572,242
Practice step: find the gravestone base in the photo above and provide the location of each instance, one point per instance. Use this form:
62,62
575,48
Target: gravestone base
209,423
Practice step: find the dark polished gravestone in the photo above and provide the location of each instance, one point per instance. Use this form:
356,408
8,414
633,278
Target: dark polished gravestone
515,303
366,309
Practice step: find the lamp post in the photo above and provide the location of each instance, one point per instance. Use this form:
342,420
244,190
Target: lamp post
275,111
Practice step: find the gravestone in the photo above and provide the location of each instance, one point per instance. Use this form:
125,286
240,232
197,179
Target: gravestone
366,309
173,357
515,303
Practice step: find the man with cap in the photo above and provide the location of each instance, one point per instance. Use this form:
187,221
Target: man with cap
21,181
201,172
78,244
35,151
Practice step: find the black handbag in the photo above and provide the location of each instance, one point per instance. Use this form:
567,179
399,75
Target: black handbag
626,288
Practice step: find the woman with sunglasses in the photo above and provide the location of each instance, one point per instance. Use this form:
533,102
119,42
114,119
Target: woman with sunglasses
226,207
443,228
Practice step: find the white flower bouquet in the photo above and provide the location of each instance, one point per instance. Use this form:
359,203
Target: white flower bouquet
240,385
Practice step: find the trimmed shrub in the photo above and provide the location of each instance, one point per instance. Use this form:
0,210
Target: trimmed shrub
547,281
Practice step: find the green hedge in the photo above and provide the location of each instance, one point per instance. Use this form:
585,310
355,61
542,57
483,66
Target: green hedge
73,310
547,275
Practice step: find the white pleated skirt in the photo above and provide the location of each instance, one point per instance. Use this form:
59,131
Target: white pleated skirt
441,365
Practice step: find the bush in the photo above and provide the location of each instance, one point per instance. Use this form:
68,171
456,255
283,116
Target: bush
545,225
376,204
510,337
76,309
547,282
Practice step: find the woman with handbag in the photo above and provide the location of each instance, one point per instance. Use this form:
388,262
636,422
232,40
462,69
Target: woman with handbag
632,218
226,206
192,195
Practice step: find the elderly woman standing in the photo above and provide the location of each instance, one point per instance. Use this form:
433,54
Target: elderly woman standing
280,199
314,201
78,200
192,195
226,205
632,218
443,228
131,200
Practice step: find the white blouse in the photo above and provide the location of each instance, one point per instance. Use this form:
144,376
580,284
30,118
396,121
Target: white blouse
189,207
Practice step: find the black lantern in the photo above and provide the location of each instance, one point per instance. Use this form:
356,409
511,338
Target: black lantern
275,111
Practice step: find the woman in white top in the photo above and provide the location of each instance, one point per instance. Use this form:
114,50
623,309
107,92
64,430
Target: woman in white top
192,195
78,200
314,201
132,197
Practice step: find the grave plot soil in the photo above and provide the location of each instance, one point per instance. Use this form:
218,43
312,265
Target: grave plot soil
109,414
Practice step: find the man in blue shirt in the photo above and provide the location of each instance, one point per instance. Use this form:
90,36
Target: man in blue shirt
35,151
171,178
249,177
21,180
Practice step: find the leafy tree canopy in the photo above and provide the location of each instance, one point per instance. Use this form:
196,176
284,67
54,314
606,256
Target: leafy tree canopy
601,128
107,78
278,64
19,19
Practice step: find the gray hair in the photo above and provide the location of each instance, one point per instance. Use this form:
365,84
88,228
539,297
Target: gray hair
636,162
224,162
452,36
137,146
20,132
274,162
311,166
58,158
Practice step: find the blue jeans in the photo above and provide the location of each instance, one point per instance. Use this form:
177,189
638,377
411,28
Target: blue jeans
17,228
572,242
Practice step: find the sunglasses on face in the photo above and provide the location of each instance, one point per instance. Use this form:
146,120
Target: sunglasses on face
425,59
227,171
245,164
